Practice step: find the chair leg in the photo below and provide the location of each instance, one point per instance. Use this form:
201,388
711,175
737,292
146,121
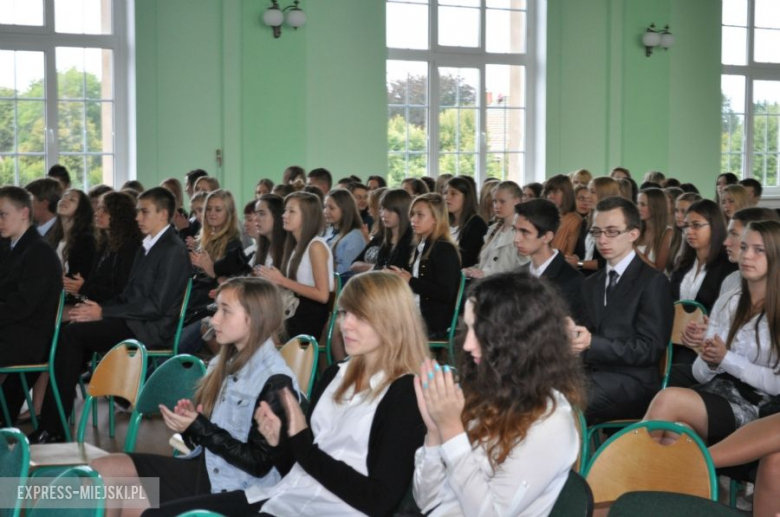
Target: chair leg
734,487
30,404
4,406
110,416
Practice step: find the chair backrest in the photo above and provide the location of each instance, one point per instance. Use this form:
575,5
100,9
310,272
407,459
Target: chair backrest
14,463
665,366
575,499
175,379
682,317
300,353
333,304
456,312
632,460
121,372
652,504
81,501
582,431
185,302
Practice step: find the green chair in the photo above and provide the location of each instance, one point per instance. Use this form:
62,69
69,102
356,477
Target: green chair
449,344
157,354
39,368
301,354
14,463
632,460
582,430
333,316
575,499
200,513
176,379
653,504
85,495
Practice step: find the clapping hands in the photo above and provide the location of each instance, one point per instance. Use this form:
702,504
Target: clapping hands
440,401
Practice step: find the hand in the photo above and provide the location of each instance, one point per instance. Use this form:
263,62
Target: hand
714,350
268,424
573,260
185,406
443,399
296,421
191,243
176,422
87,311
693,334
472,272
180,221
203,260
581,338
72,285
271,274
366,232
433,438
402,273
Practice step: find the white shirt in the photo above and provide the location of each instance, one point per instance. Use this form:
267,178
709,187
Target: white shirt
590,246
691,282
416,268
45,227
305,273
456,479
731,283
454,231
150,240
539,272
341,430
620,268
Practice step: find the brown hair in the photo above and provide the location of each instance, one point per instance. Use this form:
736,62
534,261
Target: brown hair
350,216
562,183
312,220
214,241
438,208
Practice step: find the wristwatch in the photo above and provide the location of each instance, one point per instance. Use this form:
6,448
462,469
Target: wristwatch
580,264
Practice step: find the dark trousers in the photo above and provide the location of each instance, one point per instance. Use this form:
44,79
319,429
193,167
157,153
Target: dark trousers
232,504
615,396
31,351
77,343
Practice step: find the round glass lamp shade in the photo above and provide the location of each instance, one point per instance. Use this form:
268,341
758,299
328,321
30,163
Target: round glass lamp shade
651,39
296,18
273,17
667,40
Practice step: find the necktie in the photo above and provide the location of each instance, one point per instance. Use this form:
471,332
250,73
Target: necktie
613,278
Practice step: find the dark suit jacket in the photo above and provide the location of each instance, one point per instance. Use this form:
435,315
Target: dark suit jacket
470,240
437,285
151,300
632,331
710,286
567,281
30,286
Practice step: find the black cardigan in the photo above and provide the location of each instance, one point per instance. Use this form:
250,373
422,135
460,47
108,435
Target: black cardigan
81,255
710,286
397,431
437,285
399,255
471,237
110,272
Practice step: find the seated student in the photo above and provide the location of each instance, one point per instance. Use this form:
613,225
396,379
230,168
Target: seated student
414,186
435,264
307,265
345,231
197,209
655,237
681,205
532,191
95,192
74,233
599,188
146,310
360,192
180,220
737,368
502,442
270,230
218,424
367,258
467,228
754,190
46,194
264,186
375,182
191,178
733,198
559,190
498,254
580,178
206,184
250,232
627,316
535,226
320,178
395,249
293,174
485,206
61,174
619,173
441,182
582,201
30,286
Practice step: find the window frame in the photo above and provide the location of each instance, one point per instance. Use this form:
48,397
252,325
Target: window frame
438,56
45,39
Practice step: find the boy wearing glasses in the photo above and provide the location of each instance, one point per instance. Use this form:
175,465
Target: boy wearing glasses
628,314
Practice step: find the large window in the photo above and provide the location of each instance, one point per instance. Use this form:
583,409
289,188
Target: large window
61,99
457,86
750,86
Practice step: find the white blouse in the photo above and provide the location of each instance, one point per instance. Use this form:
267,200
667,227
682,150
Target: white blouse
749,361
455,479
305,273
691,282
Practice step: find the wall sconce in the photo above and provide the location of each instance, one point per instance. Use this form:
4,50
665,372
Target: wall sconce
274,17
653,38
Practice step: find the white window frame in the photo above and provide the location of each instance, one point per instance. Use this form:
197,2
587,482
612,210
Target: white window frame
437,56
752,71
45,39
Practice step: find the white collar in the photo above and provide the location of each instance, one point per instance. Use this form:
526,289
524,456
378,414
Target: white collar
150,240
45,227
621,266
539,272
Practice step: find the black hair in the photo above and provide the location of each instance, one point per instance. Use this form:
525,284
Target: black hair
714,215
541,213
753,183
162,198
19,197
321,174
378,179
194,175
46,189
629,209
59,173
689,187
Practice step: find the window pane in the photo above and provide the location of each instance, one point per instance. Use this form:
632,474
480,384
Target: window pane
767,14
766,96
30,168
407,26
100,127
767,46
458,27
75,166
733,92
21,12
458,164
506,4
31,116
506,166
71,130
458,86
98,67
505,31
70,72
29,74
734,46
7,170
505,129
407,85
735,12
7,127
82,16
505,85
766,139
460,3
407,82
100,169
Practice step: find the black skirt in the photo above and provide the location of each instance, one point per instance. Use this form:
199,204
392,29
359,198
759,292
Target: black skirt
179,478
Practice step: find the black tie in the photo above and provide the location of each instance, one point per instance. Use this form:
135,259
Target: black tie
613,278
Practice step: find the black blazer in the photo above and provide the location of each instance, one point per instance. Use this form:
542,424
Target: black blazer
471,237
30,287
398,256
632,331
567,281
81,256
151,300
437,285
110,272
710,286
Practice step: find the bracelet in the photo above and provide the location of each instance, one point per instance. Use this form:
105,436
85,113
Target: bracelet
580,264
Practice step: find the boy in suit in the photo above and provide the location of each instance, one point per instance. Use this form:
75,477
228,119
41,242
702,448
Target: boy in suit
146,310
46,194
627,319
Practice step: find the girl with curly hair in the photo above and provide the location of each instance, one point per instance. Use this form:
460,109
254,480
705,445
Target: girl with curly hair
74,234
503,440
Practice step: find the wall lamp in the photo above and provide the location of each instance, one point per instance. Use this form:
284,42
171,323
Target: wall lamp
653,38
274,17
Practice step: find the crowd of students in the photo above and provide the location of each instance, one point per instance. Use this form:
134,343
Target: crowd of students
569,306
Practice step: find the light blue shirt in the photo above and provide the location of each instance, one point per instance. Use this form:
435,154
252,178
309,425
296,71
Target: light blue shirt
45,227
347,250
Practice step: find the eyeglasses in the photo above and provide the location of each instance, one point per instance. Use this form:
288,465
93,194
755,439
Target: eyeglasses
694,226
611,233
